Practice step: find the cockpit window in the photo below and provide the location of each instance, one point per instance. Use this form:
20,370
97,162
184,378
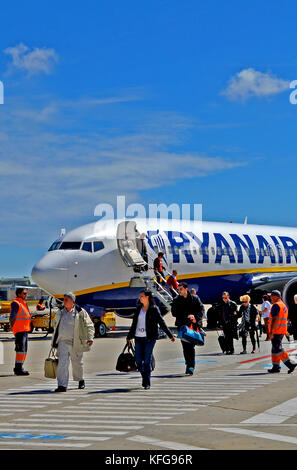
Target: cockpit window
54,246
70,246
87,246
98,246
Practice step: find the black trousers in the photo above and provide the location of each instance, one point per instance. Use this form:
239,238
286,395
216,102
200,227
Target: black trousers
228,332
252,336
189,354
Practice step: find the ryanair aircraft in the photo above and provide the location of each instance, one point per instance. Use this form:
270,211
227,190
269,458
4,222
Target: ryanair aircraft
105,263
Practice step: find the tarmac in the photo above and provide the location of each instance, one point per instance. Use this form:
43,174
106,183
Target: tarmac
230,403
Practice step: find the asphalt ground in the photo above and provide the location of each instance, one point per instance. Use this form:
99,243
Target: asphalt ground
230,403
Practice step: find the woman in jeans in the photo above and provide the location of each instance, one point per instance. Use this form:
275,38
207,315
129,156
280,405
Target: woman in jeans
144,329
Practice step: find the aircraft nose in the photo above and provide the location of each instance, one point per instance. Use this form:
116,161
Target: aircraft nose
51,273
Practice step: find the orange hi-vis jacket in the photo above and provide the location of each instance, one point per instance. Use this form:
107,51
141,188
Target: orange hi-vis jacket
282,319
23,318
40,307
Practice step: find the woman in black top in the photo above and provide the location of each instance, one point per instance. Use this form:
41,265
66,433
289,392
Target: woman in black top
249,315
144,329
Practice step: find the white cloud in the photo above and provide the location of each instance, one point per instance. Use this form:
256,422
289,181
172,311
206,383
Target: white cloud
34,61
54,172
250,82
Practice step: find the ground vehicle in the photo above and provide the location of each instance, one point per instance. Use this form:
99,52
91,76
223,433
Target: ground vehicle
103,321
42,321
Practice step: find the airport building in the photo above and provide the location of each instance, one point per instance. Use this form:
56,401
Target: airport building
8,287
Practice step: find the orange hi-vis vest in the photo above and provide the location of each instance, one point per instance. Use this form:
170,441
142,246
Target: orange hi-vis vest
40,307
282,319
23,317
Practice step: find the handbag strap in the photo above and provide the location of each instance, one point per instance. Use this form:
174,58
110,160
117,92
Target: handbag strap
52,353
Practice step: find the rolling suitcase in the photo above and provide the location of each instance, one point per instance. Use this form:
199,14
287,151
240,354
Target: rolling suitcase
222,342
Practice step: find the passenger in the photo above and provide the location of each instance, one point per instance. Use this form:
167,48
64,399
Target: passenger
172,283
159,269
144,329
227,311
249,315
40,307
193,291
265,309
277,328
20,324
73,335
184,307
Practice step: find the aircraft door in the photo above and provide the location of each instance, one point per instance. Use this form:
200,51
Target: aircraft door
128,244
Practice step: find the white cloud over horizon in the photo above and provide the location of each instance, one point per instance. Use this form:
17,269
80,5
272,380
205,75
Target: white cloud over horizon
53,174
250,83
33,61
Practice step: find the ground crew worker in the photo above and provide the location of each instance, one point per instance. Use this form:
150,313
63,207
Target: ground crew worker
277,328
40,307
73,335
20,324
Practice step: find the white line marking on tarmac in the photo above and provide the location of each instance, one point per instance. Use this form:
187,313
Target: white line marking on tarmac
166,444
259,435
277,414
65,430
120,415
136,413
90,425
37,439
67,419
17,444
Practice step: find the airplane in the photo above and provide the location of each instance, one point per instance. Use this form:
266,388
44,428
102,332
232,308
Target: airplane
102,264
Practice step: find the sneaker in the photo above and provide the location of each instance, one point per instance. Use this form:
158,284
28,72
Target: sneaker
61,389
190,370
147,387
243,352
274,370
81,384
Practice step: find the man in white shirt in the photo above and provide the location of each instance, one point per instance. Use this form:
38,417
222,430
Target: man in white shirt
265,309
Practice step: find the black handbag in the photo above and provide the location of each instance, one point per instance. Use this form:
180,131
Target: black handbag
126,360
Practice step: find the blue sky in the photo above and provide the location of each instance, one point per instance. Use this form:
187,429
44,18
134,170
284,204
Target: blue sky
160,101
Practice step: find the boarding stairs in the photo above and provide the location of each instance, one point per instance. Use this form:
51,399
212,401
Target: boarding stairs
143,280
144,276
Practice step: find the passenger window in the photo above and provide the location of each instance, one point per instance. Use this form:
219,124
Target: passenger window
87,246
98,246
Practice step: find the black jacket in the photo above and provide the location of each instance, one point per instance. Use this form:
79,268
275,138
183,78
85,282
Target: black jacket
153,319
230,319
184,306
253,314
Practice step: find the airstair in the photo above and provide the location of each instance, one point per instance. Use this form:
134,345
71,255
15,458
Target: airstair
128,239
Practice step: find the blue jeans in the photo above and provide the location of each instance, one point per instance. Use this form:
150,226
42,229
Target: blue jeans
143,356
